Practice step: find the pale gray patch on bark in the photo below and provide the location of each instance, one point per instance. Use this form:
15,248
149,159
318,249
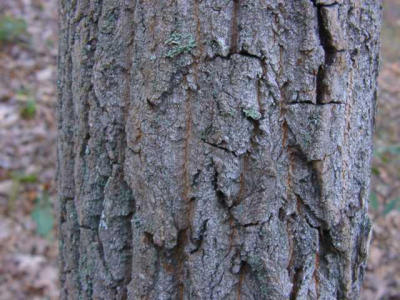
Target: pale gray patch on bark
215,149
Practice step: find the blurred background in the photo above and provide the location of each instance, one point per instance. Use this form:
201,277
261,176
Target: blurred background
28,238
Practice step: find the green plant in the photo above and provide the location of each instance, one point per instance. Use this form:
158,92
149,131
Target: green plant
252,113
375,171
389,149
373,200
28,110
25,178
12,29
18,178
42,215
392,205
180,43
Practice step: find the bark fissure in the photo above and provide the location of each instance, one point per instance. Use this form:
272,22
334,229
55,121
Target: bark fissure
127,248
66,144
234,27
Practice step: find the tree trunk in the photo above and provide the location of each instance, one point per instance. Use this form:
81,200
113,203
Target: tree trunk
215,149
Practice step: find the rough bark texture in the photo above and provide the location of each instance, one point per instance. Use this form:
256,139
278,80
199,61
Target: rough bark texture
215,149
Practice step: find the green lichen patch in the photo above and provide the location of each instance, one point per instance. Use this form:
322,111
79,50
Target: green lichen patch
179,43
252,113
229,113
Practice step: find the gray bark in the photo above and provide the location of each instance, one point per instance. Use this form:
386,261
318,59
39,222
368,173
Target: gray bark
215,149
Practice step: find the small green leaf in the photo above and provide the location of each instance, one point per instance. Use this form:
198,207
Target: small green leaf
28,111
394,204
381,152
12,29
373,200
42,215
24,178
375,171
28,178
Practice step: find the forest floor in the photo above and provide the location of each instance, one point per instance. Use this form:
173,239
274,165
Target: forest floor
28,235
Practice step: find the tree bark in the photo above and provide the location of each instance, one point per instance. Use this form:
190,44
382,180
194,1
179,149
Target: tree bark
215,149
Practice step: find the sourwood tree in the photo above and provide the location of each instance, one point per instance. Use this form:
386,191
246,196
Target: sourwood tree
215,149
